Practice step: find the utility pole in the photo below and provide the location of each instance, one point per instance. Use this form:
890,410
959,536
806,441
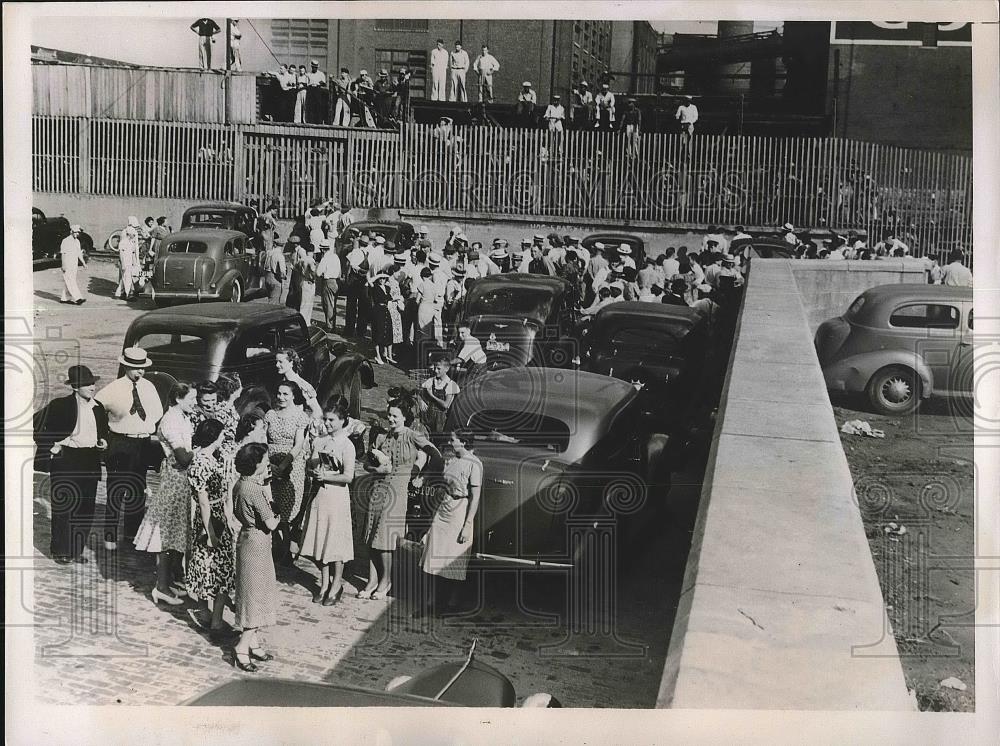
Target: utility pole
229,56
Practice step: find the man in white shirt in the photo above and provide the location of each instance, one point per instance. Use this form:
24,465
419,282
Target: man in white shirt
526,101
485,65
71,254
441,273
458,65
329,272
788,234
955,273
714,234
471,353
555,114
605,103
134,409
439,71
687,115
315,102
355,282
625,252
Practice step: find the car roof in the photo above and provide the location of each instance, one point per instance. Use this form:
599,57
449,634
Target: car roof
218,205
204,234
644,310
587,402
369,224
522,279
917,291
212,316
611,236
293,693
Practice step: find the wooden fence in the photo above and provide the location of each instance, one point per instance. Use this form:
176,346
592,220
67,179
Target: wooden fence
601,176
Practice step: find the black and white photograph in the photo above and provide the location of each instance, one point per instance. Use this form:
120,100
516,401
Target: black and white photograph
604,357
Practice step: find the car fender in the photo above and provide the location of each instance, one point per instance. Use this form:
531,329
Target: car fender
339,376
854,372
227,279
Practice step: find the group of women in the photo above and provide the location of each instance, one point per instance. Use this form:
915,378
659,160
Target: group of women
239,492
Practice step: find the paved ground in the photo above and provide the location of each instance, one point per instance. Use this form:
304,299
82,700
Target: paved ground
920,478
101,640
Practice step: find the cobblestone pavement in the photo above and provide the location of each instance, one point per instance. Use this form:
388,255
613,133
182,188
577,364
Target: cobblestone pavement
99,639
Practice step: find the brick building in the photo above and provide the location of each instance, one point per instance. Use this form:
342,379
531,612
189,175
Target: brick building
552,54
634,46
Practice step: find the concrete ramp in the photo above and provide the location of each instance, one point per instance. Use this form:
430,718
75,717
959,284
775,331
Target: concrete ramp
781,606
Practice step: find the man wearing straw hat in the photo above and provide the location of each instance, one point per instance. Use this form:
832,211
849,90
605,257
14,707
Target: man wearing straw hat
329,272
134,409
71,254
72,431
128,258
526,101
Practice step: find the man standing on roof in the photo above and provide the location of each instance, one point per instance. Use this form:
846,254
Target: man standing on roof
526,101
605,103
485,65
316,104
439,71
687,115
458,64
206,29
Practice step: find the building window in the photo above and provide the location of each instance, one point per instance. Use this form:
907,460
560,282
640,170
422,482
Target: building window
401,24
416,63
300,40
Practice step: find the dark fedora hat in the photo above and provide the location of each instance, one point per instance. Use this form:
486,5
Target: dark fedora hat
80,375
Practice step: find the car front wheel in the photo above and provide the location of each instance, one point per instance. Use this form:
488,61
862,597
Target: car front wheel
894,390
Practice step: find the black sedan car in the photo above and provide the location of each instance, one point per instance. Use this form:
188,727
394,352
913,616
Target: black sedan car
522,319
647,341
563,451
396,232
48,233
198,342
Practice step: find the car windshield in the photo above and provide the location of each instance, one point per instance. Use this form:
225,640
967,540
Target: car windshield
519,302
520,428
173,344
187,247
209,219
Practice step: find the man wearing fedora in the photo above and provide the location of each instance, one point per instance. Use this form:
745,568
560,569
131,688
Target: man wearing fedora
71,254
71,433
134,409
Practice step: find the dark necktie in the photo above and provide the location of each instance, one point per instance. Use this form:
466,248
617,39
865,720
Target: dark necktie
137,403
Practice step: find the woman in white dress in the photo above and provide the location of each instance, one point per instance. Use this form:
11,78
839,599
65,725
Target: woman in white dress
328,537
448,543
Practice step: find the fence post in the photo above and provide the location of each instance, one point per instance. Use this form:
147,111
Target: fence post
83,137
239,184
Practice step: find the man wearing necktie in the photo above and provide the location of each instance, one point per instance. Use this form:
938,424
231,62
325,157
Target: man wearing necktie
134,409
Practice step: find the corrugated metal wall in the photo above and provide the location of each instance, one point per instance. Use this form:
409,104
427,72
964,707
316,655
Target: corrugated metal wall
141,94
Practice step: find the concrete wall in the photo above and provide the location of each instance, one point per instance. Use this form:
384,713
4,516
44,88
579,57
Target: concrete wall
828,287
781,607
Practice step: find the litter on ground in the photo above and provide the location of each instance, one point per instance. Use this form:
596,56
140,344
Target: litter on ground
860,427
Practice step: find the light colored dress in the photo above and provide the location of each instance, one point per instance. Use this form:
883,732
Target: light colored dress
327,536
281,428
256,588
167,523
386,509
443,554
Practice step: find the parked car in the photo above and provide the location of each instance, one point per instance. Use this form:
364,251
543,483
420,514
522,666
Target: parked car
204,264
230,216
637,245
899,344
47,235
771,248
469,683
397,232
643,341
196,343
522,319
561,449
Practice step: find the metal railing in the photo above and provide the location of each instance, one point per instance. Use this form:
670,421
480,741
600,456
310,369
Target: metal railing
926,197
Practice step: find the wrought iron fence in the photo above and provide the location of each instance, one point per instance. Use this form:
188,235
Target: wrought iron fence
925,197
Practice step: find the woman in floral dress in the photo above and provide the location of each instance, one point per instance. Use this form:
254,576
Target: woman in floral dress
401,455
211,568
164,529
286,440
212,405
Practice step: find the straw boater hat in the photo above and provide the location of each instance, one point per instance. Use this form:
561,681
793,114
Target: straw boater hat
135,357
133,221
526,84
599,246
434,260
498,253
458,270
80,375
402,257
625,249
538,238
423,230
380,240
788,227
325,243
380,276
75,228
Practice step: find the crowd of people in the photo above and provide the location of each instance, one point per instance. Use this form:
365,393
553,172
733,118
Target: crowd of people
244,487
